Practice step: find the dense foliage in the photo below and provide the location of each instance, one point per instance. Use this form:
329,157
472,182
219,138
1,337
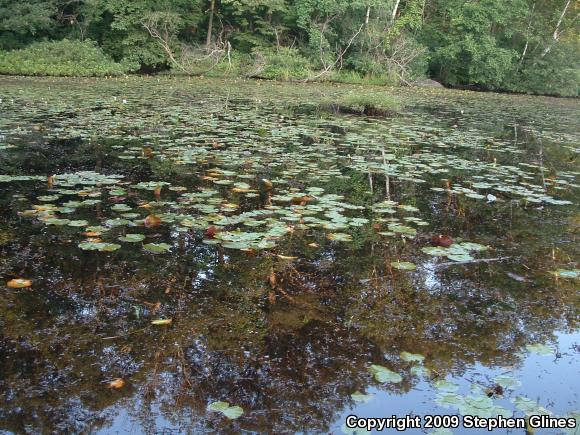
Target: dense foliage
60,58
521,45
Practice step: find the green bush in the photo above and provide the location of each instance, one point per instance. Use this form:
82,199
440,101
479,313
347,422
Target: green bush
356,78
283,63
237,65
60,58
372,104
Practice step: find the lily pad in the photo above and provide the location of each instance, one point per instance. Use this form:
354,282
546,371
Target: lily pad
78,223
506,381
445,385
529,406
57,221
412,357
540,349
403,265
339,237
19,283
157,248
161,322
569,274
231,412
99,246
449,400
353,430
132,238
383,374
361,397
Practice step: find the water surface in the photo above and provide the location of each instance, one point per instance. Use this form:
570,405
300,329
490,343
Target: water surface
291,250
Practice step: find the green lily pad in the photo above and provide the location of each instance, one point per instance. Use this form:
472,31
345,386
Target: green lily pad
482,406
445,385
353,430
403,265
231,412
383,374
117,222
57,221
573,431
470,246
78,223
460,258
506,381
132,238
121,207
157,248
540,349
412,357
361,397
435,251
449,400
340,237
99,246
529,406
420,371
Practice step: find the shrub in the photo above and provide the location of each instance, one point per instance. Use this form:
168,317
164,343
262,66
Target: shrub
356,78
237,65
283,63
61,58
372,104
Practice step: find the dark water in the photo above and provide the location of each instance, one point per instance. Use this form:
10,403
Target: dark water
284,310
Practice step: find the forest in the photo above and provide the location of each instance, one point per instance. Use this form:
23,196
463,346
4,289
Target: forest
524,46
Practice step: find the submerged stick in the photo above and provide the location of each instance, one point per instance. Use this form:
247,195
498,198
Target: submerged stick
387,178
479,260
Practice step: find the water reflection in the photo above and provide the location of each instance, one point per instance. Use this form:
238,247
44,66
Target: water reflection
287,340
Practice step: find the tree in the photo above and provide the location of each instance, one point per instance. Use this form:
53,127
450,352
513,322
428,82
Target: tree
22,22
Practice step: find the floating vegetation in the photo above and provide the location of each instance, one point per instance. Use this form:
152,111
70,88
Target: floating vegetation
161,322
477,405
234,195
540,349
506,381
403,265
567,273
361,397
157,248
231,412
460,252
132,238
19,283
99,246
116,383
412,357
529,407
383,374
225,241
375,104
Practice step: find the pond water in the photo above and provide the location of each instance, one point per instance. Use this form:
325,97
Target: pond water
171,244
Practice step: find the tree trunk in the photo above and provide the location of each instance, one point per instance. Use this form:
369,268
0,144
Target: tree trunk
395,11
527,36
556,34
210,24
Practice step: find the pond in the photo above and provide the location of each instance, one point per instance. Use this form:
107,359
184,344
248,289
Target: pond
196,255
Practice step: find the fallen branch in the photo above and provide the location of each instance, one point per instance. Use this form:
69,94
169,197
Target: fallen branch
479,260
339,59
